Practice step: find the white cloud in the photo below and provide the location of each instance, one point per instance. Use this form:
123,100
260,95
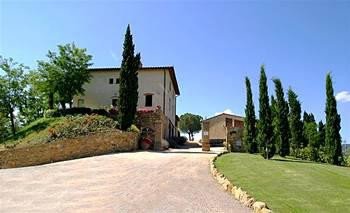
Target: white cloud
343,96
226,111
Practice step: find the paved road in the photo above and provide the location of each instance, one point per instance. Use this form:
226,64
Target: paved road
126,182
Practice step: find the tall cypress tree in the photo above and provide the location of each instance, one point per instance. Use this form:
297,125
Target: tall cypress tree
275,131
128,87
307,118
333,138
265,131
249,134
321,134
282,119
295,123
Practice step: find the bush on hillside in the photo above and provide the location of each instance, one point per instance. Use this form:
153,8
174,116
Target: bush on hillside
77,111
81,125
134,128
102,112
52,113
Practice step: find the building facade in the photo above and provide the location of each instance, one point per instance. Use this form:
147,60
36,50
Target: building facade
158,89
218,126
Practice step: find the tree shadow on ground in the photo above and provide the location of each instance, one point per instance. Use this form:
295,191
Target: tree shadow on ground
290,160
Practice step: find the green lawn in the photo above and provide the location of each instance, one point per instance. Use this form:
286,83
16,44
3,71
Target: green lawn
34,133
288,185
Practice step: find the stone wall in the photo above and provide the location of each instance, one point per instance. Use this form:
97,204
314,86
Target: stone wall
156,121
234,139
205,136
60,150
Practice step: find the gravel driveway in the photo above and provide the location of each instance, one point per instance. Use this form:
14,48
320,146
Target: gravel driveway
175,181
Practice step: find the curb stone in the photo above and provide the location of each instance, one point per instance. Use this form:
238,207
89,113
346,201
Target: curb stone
242,196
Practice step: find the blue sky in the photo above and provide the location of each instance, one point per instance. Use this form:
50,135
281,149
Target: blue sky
213,45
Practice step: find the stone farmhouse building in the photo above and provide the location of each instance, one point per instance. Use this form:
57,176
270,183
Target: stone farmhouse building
219,126
158,89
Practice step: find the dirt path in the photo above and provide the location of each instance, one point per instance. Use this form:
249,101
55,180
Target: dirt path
126,182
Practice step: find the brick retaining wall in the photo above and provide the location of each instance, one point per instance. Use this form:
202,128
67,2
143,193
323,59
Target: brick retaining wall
60,150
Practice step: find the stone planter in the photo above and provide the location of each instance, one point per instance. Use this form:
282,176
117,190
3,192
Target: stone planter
146,143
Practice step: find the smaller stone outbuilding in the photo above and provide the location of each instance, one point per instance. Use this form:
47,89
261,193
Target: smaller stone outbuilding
218,126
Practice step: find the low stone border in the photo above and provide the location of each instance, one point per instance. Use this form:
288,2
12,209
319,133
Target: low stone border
240,195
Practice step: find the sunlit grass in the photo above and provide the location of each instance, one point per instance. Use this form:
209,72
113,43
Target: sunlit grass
34,133
288,185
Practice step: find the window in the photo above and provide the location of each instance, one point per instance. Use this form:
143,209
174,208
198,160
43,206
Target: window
80,102
117,80
111,81
148,102
114,102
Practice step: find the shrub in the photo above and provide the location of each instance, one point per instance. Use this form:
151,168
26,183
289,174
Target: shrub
102,112
309,153
322,157
76,111
51,113
134,128
180,140
173,143
113,113
347,160
81,125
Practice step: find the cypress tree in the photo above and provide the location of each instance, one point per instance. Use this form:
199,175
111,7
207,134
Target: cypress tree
249,134
321,134
333,138
312,137
295,123
265,131
275,131
307,118
282,119
128,87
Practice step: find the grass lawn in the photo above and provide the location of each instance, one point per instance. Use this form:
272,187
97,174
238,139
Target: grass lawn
34,133
288,185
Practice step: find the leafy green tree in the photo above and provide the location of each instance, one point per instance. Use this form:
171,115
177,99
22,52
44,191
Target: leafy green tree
333,139
47,80
312,138
35,101
265,130
190,124
3,127
128,87
321,134
12,89
282,119
249,133
307,118
65,73
295,123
